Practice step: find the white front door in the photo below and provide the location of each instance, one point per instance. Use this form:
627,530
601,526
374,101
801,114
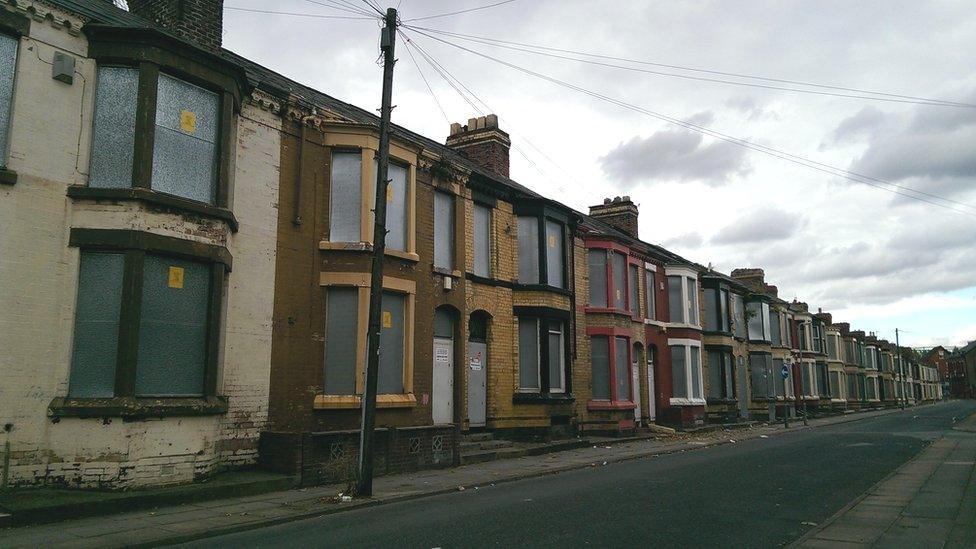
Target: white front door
443,391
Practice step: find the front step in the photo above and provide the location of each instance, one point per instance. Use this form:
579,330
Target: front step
486,445
477,437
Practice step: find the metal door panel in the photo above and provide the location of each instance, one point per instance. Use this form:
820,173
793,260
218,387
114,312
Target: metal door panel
477,368
443,391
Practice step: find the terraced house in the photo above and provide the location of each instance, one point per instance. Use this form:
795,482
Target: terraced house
186,267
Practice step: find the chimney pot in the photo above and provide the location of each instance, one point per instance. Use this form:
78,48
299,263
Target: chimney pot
482,142
197,21
455,128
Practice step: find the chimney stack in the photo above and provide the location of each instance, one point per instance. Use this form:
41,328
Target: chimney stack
753,277
482,142
197,21
619,212
772,290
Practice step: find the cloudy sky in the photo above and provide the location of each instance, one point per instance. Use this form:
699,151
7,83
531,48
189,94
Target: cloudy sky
874,258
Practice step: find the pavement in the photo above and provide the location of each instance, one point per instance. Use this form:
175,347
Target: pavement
742,471
929,502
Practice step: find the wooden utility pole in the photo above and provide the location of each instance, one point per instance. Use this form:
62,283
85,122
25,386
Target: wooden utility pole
364,485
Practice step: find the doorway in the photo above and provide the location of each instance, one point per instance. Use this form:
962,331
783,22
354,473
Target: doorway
651,402
477,369
637,356
442,401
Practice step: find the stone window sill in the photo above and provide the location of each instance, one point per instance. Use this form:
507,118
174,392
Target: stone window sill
354,402
542,288
8,177
610,405
542,398
136,407
366,247
687,402
446,272
148,196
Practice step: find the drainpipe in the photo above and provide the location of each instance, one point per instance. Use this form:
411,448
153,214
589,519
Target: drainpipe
300,171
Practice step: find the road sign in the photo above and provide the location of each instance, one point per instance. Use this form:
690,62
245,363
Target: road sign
785,371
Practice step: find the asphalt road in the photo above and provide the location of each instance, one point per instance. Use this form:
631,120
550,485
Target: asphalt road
756,493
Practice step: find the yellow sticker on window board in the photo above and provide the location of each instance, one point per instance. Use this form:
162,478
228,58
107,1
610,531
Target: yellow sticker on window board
188,121
389,193
552,241
176,277
387,319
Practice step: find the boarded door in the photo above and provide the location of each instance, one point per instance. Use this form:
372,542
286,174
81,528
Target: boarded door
443,392
477,382
638,358
651,404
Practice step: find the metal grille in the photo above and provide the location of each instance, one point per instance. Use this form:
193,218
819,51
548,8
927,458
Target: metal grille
96,325
185,148
113,142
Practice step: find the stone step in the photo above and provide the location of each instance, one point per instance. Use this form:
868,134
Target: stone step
485,445
477,437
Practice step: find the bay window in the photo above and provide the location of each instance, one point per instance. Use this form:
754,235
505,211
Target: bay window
610,367
818,344
352,198
345,196
341,335
8,64
541,251
686,380
721,374
682,296
542,349
147,316
614,280
835,384
758,323
179,152
443,230
823,384
832,347
808,379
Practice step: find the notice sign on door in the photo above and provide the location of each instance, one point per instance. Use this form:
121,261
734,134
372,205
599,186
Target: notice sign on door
176,277
475,363
440,354
387,319
188,122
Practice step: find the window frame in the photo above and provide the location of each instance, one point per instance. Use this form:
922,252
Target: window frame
451,230
488,207
685,274
722,299
545,393
650,292
765,326
729,391
544,214
629,263
687,345
361,281
615,402
134,246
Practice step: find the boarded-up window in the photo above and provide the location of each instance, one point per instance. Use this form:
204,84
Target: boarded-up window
651,290
633,284
775,332
835,384
528,250
679,370
443,324
390,377
696,373
554,254
720,374
761,376
618,268
557,358
597,263
739,316
185,146
443,230
396,208
600,366
621,368
345,197
528,354
113,142
172,327
341,331
8,63
711,312
692,301
482,240
96,325
676,302
755,320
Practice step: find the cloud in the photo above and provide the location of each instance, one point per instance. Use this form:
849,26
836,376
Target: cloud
858,126
759,226
686,240
675,155
750,107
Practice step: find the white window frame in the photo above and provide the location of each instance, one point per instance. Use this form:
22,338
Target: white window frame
650,297
685,274
688,345
562,357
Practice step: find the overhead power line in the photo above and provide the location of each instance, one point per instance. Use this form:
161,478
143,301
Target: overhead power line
298,14
856,93
789,157
343,5
458,12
